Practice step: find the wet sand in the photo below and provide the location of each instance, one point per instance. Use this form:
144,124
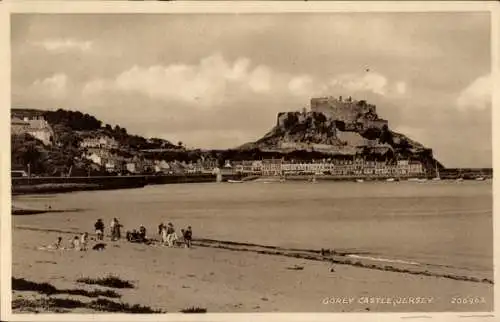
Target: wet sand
222,280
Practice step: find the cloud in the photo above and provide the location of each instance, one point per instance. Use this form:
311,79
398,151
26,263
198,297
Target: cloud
54,86
367,82
214,81
210,82
301,85
476,96
64,45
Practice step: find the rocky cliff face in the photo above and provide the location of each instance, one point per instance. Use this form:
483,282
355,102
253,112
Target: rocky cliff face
348,129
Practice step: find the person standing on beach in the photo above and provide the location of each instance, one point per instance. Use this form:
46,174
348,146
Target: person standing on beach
162,231
171,236
58,243
164,234
99,229
142,233
112,228
188,237
76,243
115,227
118,229
84,240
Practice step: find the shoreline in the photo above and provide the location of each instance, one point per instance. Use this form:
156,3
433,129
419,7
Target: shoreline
29,186
249,278
338,257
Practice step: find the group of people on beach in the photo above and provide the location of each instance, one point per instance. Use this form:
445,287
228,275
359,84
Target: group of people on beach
167,233
169,236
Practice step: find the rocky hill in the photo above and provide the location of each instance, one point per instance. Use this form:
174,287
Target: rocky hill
339,128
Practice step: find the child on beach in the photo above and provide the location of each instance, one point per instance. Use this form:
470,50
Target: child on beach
84,240
99,229
161,228
164,234
142,233
76,243
171,235
188,237
58,243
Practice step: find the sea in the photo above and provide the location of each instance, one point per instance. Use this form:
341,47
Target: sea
435,222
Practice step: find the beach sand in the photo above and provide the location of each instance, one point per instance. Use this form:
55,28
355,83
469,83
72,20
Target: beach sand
221,280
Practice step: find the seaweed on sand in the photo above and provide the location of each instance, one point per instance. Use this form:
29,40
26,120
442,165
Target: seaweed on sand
194,309
20,284
109,281
62,305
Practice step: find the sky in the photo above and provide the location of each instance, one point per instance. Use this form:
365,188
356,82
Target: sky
219,80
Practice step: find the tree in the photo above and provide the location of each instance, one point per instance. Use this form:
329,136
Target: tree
179,144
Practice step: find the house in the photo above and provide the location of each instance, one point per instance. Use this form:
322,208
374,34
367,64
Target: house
18,126
272,167
415,167
257,167
403,167
36,126
101,142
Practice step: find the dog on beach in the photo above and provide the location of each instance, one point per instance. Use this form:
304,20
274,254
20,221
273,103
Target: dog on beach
99,246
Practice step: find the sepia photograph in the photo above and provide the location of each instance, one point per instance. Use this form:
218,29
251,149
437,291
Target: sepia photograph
251,162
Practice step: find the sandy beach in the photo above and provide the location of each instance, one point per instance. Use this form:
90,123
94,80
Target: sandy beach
173,279
404,248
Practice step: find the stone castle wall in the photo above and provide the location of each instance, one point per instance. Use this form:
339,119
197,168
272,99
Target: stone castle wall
349,111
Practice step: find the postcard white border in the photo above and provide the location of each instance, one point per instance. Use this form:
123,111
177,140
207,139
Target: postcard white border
194,7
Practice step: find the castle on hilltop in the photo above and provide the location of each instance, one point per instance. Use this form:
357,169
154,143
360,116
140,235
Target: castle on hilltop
348,111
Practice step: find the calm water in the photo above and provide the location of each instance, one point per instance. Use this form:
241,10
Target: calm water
435,222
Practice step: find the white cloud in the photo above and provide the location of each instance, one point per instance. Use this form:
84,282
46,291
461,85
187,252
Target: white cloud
207,83
64,45
54,86
260,80
367,82
477,96
301,85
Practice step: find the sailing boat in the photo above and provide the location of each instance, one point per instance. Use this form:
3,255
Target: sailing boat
437,178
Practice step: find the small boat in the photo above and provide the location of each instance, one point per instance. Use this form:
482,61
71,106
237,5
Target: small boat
360,180
459,180
234,181
390,179
480,179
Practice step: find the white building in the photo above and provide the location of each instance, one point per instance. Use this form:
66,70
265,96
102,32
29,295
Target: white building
37,127
101,142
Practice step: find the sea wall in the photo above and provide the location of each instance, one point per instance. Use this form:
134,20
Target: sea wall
67,184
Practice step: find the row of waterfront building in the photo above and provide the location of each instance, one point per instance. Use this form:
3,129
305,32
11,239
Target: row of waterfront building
356,166
266,167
